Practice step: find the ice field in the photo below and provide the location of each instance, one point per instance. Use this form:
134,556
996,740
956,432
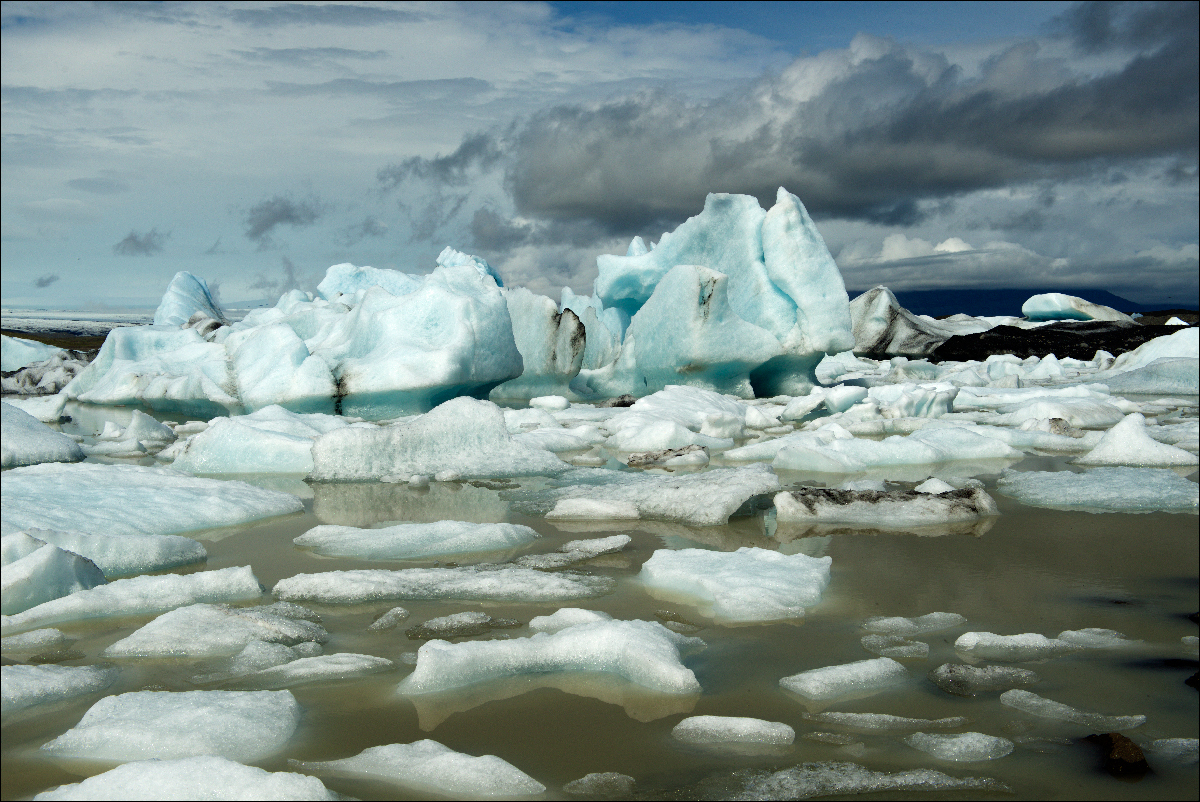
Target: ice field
714,531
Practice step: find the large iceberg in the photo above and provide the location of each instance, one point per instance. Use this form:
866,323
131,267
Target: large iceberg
551,343
1058,306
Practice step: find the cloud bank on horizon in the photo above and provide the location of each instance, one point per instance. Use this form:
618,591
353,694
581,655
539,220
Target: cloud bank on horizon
257,144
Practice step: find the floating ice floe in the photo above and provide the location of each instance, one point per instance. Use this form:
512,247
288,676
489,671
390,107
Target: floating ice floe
698,499
389,620
463,436
1011,648
33,642
837,779
858,679
592,509
847,454
964,680
676,417
921,625
882,722
246,726
141,595
130,500
963,747
428,766
1094,638
750,585
1058,306
732,729
1029,702
202,777
1103,490
35,572
458,625
1128,443
477,583
575,551
415,540
207,630
1184,344
126,555
318,668
1166,376
24,440
896,647
28,686
883,509
270,440
1176,750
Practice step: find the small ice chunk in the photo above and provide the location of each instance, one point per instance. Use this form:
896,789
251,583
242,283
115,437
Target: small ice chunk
1190,643
963,680
843,779
414,540
1175,321
210,630
1011,648
475,583
749,585
1093,638
246,726
1128,443
897,508
418,480
922,625
201,777
320,668
876,722
575,551
459,625
389,620
26,686
934,485
428,766
566,617
732,729
39,640
960,747
1103,490
142,595
604,784
1176,750
876,485
590,509
861,678
1028,702
895,646
552,403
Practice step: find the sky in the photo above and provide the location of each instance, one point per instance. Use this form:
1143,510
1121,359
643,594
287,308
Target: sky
943,145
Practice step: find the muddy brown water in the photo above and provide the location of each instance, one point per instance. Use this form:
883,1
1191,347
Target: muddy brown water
1033,570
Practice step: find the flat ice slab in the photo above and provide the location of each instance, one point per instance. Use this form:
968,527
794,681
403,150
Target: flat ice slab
203,777
207,630
921,625
130,500
318,668
40,573
962,747
882,722
429,767
862,678
241,725
24,440
1028,702
415,540
125,555
1011,648
141,595
749,585
732,729
883,509
1103,490
27,686
478,583
838,779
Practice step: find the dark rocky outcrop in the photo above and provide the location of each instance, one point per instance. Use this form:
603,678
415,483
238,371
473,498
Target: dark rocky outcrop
1077,340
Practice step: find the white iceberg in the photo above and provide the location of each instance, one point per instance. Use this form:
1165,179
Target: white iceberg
200,631
24,440
1128,443
144,435
482,583
18,352
858,679
1103,490
414,540
27,686
750,585
1011,648
551,343
347,279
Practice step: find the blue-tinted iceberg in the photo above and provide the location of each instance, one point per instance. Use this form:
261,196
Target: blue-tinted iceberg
1058,306
551,343
186,296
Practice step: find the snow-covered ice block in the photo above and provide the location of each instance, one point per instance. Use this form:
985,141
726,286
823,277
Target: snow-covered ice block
125,555
27,686
270,440
895,646
934,485
843,779
644,653
18,352
1183,344
1029,702
921,625
883,722
141,595
389,620
1011,648
208,630
964,680
414,540
319,668
241,725
347,279
185,296
1128,443
42,573
1059,306
592,509
428,766
861,678
478,583
130,500
24,440
963,747
463,435
574,551
698,499
750,585
1077,412
47,409
1094,638
566,617
1103,490
732,729
202,777
885,509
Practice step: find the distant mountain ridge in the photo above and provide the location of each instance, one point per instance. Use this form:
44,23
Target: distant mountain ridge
1008,300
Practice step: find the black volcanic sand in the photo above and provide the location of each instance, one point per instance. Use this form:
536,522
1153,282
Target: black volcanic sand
87,343
1077,340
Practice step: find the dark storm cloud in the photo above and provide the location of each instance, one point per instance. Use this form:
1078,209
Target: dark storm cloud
391,91
478,150
99,186
1097,26
136,244
264,217
264,16
491,233
41,282
286,280
369,227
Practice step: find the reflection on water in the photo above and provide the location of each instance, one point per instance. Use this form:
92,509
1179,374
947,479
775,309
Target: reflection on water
1028,570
